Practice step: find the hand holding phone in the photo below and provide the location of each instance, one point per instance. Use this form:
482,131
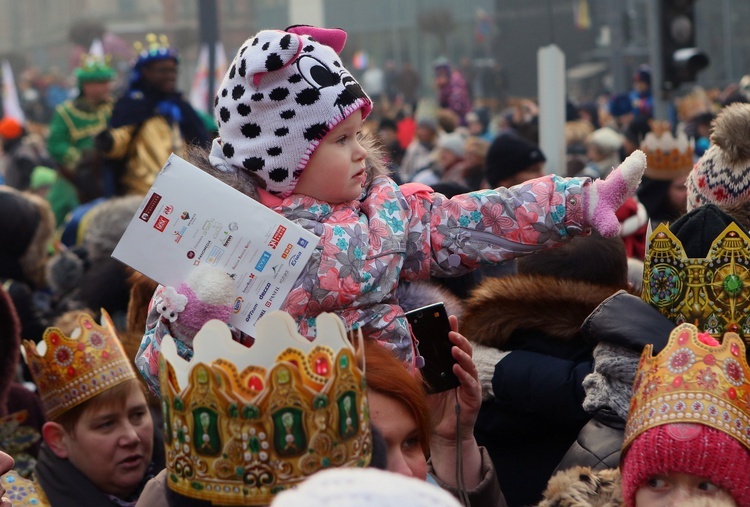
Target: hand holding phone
430,326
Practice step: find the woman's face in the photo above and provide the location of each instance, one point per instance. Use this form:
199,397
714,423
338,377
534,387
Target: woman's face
401,435
112,446
672,490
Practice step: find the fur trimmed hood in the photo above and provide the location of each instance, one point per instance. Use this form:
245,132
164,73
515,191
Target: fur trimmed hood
584,487
501,306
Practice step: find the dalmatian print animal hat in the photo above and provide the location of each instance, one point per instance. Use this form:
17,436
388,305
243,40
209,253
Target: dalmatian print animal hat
284,91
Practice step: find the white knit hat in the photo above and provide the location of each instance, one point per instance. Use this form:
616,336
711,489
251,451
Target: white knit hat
284,91
364,487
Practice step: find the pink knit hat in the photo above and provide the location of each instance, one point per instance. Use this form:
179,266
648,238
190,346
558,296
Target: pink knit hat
687,448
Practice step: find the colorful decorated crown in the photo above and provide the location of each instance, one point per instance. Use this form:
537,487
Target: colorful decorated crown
22,492
712,293
156,47
668,157
94,68
74,369
242,424
692,382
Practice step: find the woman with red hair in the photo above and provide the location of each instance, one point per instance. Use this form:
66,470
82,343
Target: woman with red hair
416,427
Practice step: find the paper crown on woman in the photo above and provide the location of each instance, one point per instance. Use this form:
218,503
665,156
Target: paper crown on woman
242,424
69,370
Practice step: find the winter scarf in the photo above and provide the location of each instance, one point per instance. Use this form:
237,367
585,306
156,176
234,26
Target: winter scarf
609,385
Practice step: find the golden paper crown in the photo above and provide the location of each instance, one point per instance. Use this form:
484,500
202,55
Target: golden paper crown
69,370
242,424
712,293
692,382
668,157
23,492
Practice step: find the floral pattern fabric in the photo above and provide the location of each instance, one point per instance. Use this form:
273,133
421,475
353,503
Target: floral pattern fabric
411,233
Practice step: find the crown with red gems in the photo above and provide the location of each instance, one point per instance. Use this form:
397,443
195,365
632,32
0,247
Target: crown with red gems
668,156
69,370
712,293
692,381
242,424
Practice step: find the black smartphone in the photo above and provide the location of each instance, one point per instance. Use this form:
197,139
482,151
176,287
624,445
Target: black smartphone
430,326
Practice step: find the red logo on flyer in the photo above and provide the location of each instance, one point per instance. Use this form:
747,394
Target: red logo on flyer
168,209
161,223
148,210
280,230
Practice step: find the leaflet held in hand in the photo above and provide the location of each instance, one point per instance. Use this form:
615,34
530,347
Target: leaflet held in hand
189,218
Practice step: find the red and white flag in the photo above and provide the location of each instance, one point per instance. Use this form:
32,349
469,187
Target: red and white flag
199,92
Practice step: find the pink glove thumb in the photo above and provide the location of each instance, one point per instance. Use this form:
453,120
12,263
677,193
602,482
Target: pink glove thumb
210,294
603,198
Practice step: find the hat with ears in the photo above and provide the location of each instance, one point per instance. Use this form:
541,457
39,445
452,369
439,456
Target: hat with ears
722,175
284,91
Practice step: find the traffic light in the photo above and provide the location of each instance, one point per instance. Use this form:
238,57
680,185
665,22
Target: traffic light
680,59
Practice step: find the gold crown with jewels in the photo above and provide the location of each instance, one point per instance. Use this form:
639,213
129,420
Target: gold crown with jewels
713,293
242,424
691,381
69,370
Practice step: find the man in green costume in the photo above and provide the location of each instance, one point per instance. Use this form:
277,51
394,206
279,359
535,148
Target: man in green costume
76,122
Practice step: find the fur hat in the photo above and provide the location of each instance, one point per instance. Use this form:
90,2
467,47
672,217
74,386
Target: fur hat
284,91
606,140
722,175
509,155
453,142
583,487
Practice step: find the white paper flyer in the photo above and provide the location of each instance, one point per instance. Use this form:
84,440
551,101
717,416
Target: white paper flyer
189,218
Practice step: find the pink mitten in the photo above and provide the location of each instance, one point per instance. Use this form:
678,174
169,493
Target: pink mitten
210,294
603,198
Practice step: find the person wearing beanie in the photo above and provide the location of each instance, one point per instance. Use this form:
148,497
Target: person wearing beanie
149,122
640,96
603,151
290,117
687,430
722,176
449,165
512,160
58,192
76,122
21,153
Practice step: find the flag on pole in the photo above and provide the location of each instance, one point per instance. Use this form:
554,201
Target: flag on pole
11,103
199,92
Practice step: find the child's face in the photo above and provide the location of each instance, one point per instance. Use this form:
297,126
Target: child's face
673,489
336,171
112,446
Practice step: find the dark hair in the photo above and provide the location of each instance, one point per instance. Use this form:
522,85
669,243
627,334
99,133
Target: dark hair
593,259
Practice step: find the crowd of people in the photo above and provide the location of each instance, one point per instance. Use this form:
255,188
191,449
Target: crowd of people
599,318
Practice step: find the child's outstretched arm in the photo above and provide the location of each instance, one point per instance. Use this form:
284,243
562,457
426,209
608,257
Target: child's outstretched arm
450,237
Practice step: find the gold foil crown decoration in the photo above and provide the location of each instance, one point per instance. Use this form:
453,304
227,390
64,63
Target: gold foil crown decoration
242,424
668,157
711,293
69,370
690,381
